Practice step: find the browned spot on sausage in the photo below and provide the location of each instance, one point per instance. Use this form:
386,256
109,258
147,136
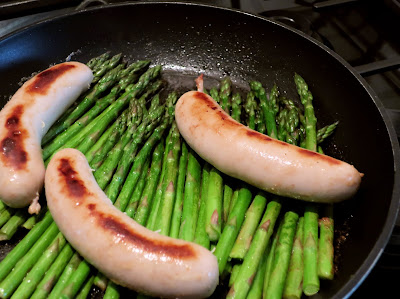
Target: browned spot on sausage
209,102
73,185
203,97
114,225
255,134
91,206
42,82
315,155
12,146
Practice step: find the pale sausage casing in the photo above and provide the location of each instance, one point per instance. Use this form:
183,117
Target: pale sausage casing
123,250
259,160
23,122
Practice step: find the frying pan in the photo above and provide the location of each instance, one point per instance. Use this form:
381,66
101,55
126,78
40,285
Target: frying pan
189,39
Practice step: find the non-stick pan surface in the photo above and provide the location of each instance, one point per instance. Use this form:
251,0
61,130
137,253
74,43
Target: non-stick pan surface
190,39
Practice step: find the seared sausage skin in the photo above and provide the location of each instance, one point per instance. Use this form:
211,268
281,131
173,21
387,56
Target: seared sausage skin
126,252
23,122
267,163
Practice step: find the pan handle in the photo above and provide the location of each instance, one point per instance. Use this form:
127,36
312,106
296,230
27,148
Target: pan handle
87,3
376,67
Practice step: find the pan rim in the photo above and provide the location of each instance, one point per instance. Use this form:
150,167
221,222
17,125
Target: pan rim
369,263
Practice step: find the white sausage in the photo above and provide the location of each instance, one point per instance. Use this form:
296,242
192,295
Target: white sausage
126,252
23,122
259,160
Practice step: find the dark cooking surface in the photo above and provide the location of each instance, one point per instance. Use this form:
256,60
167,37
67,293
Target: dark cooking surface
361,50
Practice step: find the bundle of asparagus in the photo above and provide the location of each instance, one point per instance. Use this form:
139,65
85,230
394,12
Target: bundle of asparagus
127,132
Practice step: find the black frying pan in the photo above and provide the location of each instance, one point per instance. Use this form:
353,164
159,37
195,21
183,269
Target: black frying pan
189,39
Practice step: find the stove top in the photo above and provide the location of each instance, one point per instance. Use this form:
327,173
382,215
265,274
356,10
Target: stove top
364,33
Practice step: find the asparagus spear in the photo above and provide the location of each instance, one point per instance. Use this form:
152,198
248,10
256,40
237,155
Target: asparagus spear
214,205
145,202
310,251
234,273
281,119
236,112
10,228
256,289
294,280
169,185
33,219
107,141
151,221
306,99
180,186
137,191
25,263
28,285
112,291
270,258
134,173
236,106
260,123
125,125
325,245
191,199
71,267
96,61
250,108
12,258
326,131
215,94
106,66
6,214
244,279
225,93
232,227
53,273
233,200
201,236
226,201
311,282
269,109
85,290
282,256
252,219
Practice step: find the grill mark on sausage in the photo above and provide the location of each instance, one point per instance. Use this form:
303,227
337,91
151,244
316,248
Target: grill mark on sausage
114,225
258,135
12,146
227,120
44,80
311,154
74,186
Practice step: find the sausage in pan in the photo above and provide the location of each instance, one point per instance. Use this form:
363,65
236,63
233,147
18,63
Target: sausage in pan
123,250
257,159
23,122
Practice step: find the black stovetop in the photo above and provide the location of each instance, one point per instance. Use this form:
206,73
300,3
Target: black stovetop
364,33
